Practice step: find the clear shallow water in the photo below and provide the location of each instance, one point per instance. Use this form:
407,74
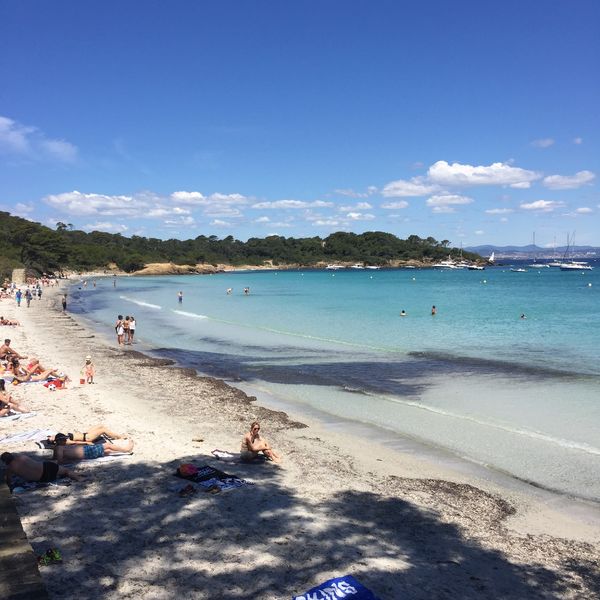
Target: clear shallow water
522,396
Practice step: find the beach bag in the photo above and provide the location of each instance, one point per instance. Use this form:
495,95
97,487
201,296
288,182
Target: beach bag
187,470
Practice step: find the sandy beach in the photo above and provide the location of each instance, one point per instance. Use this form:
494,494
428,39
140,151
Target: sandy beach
404,525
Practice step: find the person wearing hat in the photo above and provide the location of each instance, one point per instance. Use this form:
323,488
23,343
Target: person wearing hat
88,370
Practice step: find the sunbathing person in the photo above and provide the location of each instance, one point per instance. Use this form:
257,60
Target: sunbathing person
4,321
88,437
253,445
21,374
35,368
7,352
8,404
64,453
33,470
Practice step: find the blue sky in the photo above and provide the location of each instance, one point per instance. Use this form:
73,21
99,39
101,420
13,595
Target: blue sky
475,122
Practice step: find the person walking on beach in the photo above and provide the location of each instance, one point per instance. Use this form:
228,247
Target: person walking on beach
64,302
88,371
28,297
39,293
18,296
180,297
120,330
131,328
126,331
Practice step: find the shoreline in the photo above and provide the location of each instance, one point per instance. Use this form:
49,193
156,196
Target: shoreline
338,504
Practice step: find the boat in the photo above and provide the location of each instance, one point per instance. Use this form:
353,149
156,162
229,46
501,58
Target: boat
476,268
372,267
518,270
536,264
570,264
575,265
357,266
447,263
333,267
492,258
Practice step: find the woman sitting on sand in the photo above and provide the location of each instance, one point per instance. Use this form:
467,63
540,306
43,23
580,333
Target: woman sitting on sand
7,403
253,445
92,434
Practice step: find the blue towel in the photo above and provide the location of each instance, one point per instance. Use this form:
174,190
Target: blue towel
340,587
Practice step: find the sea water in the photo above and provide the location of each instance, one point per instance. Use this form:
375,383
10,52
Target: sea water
520,395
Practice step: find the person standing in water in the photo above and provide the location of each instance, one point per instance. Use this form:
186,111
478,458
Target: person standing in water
64,302
180,297
433,311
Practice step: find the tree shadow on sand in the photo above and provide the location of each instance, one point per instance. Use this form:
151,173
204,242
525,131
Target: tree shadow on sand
261,541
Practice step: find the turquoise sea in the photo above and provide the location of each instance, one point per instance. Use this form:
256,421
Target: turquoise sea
521,396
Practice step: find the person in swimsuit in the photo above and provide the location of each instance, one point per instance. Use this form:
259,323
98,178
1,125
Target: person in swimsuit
120,330
253,445
89,437
64,453
33,470
7,352
7,403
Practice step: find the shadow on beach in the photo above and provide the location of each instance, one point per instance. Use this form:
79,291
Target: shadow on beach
261,541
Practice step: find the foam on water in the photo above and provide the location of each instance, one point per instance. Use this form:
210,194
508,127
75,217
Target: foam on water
140,302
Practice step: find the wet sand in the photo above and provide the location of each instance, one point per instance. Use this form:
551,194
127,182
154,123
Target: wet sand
402,524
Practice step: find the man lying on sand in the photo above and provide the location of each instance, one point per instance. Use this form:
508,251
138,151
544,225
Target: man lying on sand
64,453
87,437
4,321
253,445
33,470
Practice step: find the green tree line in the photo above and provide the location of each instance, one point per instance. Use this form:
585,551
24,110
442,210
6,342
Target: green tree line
27,244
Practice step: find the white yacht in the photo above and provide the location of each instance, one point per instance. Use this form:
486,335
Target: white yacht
357,266
333,267
575,265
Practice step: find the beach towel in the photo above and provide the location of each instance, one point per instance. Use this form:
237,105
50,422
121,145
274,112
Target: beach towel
20,485
340,587
224,455
18,416
26,436
210,478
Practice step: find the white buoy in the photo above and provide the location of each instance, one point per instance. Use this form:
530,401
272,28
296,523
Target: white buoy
414,278
484,281
589,285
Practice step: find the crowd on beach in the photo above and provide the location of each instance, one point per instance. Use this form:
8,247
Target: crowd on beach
98,441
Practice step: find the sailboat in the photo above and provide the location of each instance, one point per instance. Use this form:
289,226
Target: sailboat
492,258
535,264
570,264
554,262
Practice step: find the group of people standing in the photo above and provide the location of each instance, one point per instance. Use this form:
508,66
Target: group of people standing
125,330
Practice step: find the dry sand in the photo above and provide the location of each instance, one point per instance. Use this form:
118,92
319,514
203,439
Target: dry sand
403,525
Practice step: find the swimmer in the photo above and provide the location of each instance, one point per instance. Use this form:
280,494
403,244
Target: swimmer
433,310
402,313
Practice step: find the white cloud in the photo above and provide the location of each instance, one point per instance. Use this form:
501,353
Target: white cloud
200,199
479,232
443,209
584,210
219,223
31,143
21,210
162,211
357,206
350,193
291,204
401,188
458,174
578,140
262,220
543,143
499,211
77,203
356,216
105,226
180,221
395,205
569,182
504,220
448,200
328,223
220,210
542,205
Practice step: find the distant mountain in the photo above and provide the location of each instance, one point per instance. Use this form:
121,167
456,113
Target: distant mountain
530,251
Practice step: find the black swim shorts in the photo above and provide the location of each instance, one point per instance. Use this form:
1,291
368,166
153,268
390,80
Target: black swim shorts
49,472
